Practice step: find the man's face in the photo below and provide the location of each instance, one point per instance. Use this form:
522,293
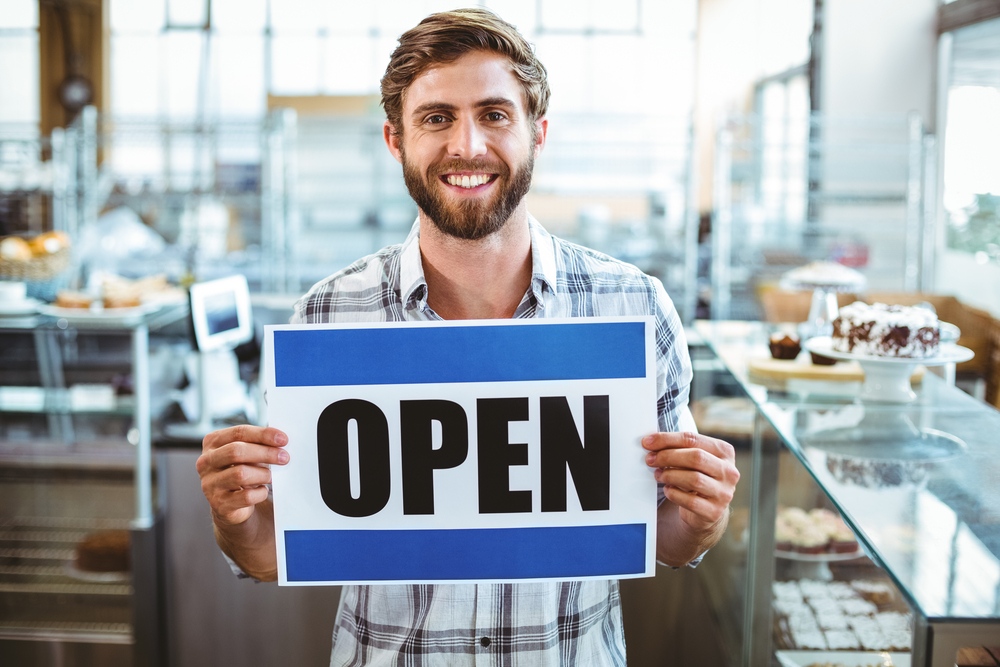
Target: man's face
467,146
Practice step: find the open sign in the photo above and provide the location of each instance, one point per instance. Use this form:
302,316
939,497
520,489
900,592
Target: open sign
463,451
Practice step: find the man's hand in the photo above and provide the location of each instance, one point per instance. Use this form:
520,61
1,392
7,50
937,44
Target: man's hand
233,469
699,476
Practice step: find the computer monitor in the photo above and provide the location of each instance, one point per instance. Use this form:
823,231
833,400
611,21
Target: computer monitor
222,320
220,313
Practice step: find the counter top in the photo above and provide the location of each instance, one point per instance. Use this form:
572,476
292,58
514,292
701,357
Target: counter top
919,482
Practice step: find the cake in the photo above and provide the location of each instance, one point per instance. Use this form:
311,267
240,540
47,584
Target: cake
73,299
784,346
817,531
829,275
812,614
886,331
842,539
104,551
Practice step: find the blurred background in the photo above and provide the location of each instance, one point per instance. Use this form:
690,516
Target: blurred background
712,143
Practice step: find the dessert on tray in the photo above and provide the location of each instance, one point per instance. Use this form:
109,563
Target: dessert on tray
886,331
817,531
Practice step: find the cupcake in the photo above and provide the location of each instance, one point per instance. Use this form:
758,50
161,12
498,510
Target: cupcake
842,539
821,360
784,346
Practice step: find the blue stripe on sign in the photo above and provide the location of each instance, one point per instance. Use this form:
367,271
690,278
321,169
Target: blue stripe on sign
505,554
419,355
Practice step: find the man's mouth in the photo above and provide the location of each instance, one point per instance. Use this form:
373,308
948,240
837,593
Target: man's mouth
468,181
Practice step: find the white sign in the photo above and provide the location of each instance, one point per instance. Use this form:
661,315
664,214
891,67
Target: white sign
463,451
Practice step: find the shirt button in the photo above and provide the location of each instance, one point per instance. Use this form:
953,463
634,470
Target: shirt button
485,641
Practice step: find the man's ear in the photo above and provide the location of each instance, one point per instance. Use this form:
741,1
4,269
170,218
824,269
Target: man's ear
392,140
541,129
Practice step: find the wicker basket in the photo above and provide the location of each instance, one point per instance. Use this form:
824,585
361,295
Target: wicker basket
44,274
36,269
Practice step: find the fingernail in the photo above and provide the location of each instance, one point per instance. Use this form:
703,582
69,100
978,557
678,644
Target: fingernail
650,459
647,441
280,439
282,456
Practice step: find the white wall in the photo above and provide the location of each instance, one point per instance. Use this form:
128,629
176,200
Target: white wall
739,43
879,57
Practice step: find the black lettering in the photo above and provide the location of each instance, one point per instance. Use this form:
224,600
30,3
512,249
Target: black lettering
589,463
496,455
373,457
420,459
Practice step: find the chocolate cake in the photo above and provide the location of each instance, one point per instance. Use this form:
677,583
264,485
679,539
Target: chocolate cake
886,331
104,551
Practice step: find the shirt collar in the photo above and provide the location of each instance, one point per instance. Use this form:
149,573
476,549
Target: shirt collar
543,260
413,285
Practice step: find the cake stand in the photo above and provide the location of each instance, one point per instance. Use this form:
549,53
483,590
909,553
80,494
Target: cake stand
815,566
887,379
823,307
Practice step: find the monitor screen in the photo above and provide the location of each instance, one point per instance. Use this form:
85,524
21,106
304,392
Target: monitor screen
220,313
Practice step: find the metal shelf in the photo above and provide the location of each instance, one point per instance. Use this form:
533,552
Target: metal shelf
91,633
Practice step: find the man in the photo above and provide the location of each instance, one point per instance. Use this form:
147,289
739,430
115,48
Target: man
465,101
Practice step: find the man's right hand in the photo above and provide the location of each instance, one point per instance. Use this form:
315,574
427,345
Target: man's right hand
233,469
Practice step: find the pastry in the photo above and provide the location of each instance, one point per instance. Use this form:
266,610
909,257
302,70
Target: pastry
49,243
14,249
784,346
105,551
72,299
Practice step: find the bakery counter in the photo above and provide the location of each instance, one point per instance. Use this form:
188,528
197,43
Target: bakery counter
918,484
80,516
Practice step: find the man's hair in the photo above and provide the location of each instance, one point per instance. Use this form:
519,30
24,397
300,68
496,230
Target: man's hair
447,36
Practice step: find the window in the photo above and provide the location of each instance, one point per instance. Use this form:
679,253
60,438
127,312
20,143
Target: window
19,62
972,142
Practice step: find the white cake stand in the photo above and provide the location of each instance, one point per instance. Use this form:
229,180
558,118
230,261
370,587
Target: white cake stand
887,379
823,308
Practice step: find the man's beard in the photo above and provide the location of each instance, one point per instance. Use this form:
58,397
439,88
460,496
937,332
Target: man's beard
473,219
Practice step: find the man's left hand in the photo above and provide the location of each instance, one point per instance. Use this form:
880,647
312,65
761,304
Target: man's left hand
700,476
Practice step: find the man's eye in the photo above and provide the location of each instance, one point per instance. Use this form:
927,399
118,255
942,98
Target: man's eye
494,116
436,119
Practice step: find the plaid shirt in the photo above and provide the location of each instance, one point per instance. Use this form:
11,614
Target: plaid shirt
554,623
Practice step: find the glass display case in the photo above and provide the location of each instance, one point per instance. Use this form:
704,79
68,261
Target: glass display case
79,520
916,482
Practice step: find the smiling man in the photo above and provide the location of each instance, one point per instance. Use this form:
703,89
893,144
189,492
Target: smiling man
465,100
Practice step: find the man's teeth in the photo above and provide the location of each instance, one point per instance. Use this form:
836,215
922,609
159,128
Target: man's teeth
468,181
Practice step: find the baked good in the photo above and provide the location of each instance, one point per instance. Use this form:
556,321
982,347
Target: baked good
14,249
73,299
104,551
886,331
814,532
876,592
49,243
842,539
829,275
784,346
121,300
821,359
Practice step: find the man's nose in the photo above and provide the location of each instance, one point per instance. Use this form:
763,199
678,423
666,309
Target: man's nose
467,141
